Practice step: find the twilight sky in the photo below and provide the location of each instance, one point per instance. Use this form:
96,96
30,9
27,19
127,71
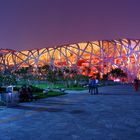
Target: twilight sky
28,24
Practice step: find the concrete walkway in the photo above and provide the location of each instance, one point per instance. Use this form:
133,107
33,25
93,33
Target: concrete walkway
112,115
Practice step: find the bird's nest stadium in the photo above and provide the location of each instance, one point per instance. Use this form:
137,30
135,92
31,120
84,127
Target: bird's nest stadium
99,56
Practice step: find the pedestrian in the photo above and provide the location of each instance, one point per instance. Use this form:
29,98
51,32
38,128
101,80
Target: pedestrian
92,86
89,84
136,84
96,85
29,92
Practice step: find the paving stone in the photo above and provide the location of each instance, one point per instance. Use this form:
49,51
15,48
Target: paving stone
112,115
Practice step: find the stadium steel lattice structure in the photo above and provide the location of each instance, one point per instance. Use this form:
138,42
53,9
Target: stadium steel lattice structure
99,56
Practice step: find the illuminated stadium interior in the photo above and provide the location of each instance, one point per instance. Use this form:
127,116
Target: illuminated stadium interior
99,56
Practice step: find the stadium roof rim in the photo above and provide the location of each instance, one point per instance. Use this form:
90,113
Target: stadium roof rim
66,44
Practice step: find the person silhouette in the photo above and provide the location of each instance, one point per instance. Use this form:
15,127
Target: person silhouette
92,84
136,84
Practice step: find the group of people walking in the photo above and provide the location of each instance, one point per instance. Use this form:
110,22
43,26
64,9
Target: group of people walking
93,85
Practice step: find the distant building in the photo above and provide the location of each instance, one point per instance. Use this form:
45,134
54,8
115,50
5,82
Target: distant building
88,58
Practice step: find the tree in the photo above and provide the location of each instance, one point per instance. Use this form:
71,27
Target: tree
105,77
45,69
51,76
118,73
7,79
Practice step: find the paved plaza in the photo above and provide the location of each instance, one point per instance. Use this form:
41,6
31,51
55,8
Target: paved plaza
112,115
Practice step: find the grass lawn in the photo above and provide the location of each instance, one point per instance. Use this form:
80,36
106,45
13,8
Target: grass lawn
50,94
43,86
1,103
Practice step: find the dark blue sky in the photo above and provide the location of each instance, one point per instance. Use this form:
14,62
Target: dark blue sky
27,24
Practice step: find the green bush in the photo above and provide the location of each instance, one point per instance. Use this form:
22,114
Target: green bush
2,89
36,89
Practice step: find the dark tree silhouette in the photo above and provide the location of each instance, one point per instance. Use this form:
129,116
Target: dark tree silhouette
117,73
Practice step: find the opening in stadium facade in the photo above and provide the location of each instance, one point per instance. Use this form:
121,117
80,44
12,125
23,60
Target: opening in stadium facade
88,58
